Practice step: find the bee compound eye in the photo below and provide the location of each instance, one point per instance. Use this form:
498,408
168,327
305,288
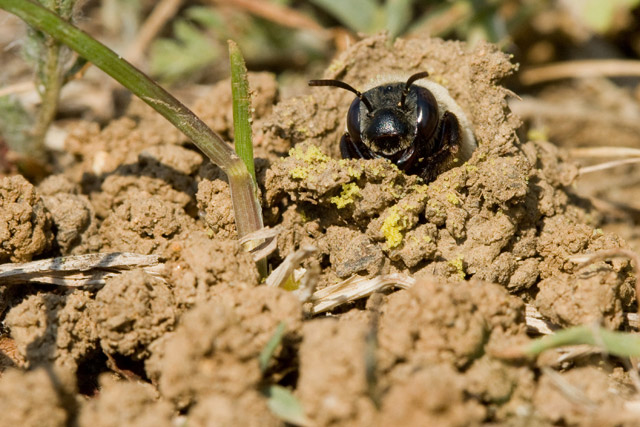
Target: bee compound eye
353,120
426,113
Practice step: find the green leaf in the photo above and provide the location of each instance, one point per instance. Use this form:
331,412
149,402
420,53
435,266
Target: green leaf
205,16
398,13
357,15
285,405
190,51
599,14
267,352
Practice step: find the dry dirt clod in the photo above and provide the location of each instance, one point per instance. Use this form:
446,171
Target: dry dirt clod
582,396
214,350
53,328
333,353
248,410
216,208
436,322
125,403
208,353
131,311
197,264
76,225
25,224
41,397
431,396
145,224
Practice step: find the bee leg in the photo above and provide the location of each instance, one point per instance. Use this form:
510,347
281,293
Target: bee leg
350,149
445,147
347,150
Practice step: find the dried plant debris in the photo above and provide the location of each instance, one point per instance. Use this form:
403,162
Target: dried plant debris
506,216
78,270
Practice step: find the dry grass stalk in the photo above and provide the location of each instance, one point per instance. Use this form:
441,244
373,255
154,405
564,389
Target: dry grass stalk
355,288
528,108
79,270
580,69
16,88
572,393
607,165
599,152
282,15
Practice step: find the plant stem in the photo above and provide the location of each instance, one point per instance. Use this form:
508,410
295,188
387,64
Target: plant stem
52,84
243,189
50,78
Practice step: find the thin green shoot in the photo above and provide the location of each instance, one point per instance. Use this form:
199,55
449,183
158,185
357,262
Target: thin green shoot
274,342
622,344
242,126
241,107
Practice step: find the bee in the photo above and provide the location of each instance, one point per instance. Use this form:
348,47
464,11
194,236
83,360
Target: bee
415,124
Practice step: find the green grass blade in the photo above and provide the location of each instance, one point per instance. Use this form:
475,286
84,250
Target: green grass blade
242,126
241,108
398,16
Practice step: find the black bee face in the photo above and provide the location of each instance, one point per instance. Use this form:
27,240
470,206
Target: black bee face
396,127
402,123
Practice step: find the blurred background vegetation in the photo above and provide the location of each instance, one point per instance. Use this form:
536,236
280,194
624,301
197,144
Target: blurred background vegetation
182,43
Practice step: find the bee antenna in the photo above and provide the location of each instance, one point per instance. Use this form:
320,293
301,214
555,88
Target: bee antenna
343,85
407,86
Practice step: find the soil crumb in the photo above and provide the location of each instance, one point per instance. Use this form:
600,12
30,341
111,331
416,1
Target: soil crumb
131,311
25,223
53,328
197,264
333,352
214,349
41,397
125,403
223,410
73,216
